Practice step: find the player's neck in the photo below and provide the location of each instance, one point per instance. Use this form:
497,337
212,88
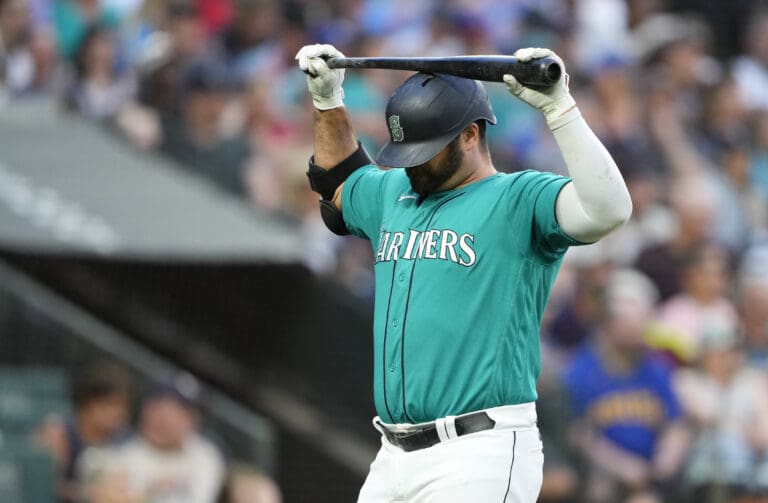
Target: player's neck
473,170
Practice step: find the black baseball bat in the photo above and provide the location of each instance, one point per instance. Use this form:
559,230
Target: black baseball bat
537,73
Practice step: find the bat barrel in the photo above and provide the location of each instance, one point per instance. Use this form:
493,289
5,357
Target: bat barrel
538,73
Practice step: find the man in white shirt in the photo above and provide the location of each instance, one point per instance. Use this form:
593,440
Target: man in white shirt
168,461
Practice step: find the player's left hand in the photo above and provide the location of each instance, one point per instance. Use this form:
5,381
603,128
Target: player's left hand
324,83
555,102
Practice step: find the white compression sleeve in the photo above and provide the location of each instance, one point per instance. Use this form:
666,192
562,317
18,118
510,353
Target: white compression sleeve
597,201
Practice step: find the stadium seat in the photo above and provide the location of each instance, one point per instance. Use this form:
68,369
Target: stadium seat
29,394
27,473
35,380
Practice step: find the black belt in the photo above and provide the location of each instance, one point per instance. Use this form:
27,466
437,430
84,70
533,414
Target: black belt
426,435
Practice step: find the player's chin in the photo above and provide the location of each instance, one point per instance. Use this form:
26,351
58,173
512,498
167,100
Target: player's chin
423,186
418,178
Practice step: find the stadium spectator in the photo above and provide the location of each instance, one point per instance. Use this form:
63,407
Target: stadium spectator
249,44
693,204
98,90
614,101
672,48
17,66
598,39
101,395
196,137
744,212
723,138
751,68
27,53
726,402
267,129
701,306
216,13
168,461
159,70
182,21
724,118
758,155
575,317
753,311
73,18
627,423
165,33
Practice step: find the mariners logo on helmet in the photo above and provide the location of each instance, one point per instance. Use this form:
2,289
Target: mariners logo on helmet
395,128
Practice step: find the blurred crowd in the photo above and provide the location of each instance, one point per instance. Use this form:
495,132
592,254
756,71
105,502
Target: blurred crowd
103,456
655,339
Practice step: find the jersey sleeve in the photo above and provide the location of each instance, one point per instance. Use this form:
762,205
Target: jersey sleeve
534,196
361,198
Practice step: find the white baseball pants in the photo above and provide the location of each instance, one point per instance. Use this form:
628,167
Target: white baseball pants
504,465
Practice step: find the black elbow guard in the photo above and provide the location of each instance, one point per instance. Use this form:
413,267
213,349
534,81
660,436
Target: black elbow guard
332,217
326,181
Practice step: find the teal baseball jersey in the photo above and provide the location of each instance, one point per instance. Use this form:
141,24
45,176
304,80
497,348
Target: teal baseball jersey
462,279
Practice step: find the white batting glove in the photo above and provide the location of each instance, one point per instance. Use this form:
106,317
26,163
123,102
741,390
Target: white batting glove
556,103
324,83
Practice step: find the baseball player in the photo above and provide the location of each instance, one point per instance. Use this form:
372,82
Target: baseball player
465,258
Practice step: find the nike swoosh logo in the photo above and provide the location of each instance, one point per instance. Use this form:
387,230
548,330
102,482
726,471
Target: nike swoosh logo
406,196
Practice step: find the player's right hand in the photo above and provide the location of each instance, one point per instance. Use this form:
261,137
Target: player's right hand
556,102
324,83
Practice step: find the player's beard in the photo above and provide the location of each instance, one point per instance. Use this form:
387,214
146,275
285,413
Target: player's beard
426,179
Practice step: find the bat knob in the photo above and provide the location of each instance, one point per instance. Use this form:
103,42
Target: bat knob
540,73
552,72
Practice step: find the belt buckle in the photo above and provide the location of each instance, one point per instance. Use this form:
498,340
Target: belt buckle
412,440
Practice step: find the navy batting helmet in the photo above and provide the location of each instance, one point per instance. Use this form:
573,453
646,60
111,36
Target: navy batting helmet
428,111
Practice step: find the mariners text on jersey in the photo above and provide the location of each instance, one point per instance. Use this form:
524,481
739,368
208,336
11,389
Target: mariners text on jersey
433,244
